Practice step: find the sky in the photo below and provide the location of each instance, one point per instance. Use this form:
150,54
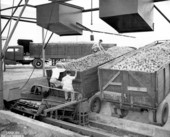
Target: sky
34,32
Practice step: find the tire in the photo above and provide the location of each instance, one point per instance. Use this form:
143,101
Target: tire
37,63
95,104
124,113
162,113
36,90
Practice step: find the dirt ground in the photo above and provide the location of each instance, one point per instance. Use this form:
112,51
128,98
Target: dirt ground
8,128
19,72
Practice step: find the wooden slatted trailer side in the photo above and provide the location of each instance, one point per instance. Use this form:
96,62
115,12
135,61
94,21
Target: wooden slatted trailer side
136,90
87,82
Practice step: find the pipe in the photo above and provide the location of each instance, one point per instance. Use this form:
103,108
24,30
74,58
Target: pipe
12,32
11,16
90,10
48,40
15,17
1,69
28,21
161,13
17,6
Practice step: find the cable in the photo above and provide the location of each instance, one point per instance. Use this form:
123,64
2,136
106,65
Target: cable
28,79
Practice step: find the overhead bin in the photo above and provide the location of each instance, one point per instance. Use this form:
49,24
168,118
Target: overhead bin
127,15
60,18
159,0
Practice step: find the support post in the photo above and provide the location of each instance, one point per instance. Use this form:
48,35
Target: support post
1,69
12,32
43,51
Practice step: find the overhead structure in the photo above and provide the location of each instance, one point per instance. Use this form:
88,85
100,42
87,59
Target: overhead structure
159,0
128,15
60,18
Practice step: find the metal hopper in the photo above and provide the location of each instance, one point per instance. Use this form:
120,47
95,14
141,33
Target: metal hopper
128,15
60,18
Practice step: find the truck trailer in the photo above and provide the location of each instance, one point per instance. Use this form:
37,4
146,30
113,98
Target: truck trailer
137,82
27,52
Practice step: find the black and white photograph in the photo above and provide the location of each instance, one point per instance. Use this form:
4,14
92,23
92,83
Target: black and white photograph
85,68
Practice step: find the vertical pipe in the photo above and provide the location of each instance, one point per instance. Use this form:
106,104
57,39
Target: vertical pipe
91,12
12,32
1,70
43,51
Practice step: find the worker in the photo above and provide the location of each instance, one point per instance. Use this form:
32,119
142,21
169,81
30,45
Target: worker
57,75
97,47
67,83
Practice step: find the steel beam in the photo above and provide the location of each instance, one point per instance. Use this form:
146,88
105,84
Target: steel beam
12,32
161,13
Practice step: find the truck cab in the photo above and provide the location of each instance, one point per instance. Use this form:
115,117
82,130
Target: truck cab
21,54
14,54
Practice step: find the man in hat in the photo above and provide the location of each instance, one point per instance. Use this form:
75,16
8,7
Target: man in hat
97,47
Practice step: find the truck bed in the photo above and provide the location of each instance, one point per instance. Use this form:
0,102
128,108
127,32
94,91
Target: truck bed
134,89
86,81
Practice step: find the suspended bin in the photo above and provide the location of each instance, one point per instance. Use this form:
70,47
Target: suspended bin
60,18
127,15
159,0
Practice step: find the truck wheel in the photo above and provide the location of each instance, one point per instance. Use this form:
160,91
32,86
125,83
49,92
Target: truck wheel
124,113
162,113
95,104
37,63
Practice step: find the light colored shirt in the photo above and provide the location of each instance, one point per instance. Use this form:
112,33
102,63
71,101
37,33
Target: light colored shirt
97,46
67,82
56,74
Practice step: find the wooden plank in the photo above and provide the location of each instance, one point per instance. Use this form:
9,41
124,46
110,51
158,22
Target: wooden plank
160,85
63,105
116,84
167,77
110,81
125,93
134,77
115,96
137,89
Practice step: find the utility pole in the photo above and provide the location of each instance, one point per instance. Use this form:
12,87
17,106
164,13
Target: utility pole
1,68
